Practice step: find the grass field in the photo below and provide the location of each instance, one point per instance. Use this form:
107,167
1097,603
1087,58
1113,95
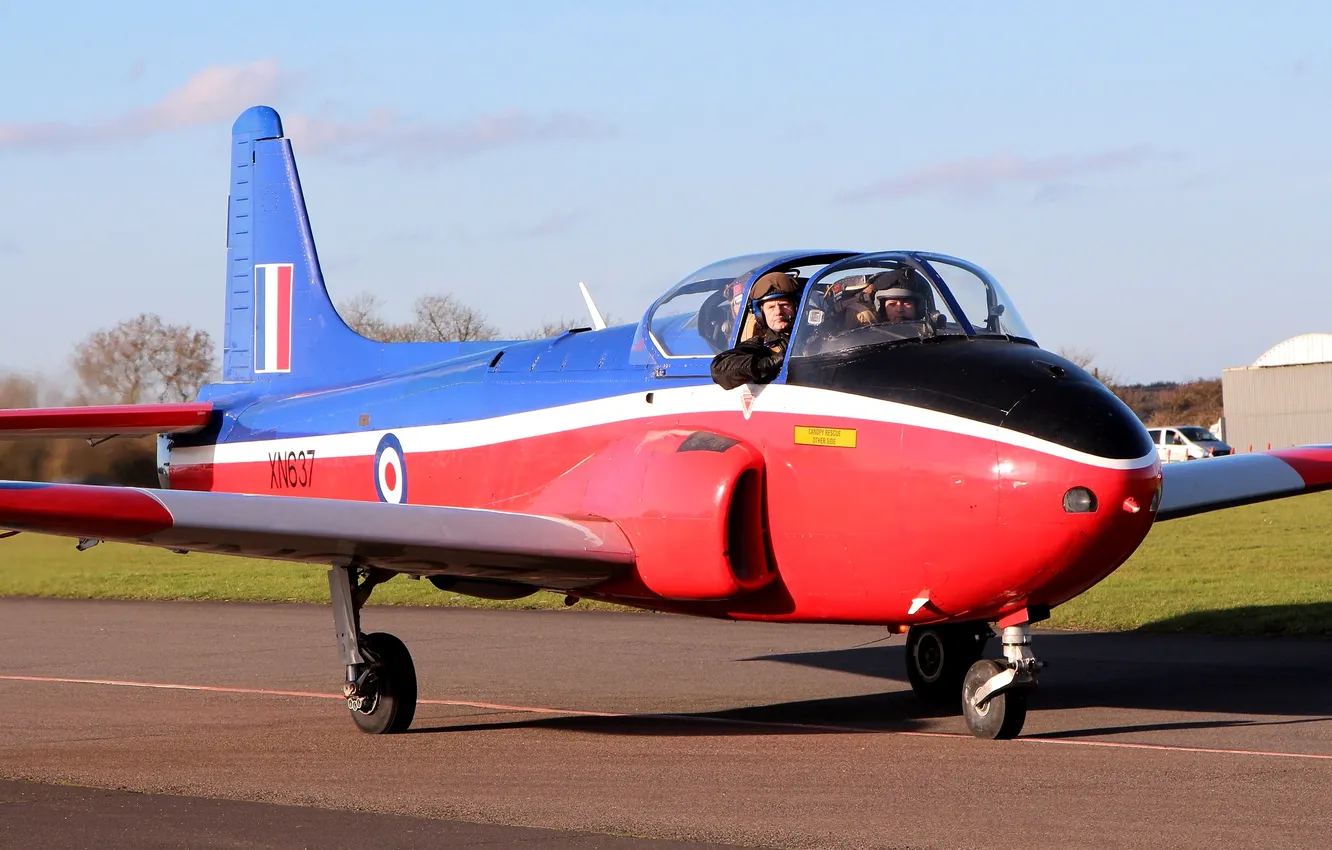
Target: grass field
1263,569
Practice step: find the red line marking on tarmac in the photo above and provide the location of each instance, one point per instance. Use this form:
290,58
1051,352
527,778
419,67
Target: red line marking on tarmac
1176,748
566,712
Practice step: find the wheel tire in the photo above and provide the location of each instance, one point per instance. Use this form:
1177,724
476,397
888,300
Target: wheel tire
937,658
1002,717
395,680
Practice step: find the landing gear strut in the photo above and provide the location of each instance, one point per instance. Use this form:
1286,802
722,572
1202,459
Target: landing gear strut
938,656
994,693
381,679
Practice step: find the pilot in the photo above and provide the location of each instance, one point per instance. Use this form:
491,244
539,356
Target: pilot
887,299
774,298
716,318
897,305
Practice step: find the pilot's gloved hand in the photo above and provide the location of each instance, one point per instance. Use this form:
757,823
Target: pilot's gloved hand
859,316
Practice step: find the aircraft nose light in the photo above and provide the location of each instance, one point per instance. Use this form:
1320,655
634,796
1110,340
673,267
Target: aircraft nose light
1131,505
1080,500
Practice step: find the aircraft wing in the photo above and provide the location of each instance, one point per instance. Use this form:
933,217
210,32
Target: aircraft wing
549,552
1199,486
117,420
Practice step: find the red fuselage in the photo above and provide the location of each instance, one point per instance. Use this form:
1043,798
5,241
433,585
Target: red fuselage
858,507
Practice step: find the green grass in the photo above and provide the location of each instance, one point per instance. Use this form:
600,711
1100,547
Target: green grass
37,565
1262,569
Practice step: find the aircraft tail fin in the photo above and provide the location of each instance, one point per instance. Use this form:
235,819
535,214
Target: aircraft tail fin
281,326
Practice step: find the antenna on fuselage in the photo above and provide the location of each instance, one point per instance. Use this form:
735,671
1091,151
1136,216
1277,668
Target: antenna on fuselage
598,323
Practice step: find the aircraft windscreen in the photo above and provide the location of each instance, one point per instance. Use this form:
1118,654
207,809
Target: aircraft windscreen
697,319
979,296
871,301
698,316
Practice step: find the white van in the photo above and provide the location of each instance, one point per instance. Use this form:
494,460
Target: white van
1186,442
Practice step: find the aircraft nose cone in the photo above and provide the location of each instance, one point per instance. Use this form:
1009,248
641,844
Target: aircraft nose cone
1078,412
1013,385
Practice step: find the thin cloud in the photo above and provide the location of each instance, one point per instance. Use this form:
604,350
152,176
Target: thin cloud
215,94
552,225
386,134
1053,193
981,176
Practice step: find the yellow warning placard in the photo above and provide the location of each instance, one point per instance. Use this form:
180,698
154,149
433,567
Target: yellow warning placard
806,435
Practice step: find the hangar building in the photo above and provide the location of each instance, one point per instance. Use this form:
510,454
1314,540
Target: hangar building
1283,399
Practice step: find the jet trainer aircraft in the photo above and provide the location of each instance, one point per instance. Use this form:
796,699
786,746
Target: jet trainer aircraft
933,476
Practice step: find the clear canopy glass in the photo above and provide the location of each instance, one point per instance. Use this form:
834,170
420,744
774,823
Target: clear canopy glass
697,317
899,296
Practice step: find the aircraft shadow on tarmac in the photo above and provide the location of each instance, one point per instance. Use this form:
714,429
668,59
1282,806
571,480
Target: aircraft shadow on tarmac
1140,670
1253,621
867,713
1256,677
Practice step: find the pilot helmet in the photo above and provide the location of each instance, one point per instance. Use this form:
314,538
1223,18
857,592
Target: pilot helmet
734,293
850,288
772,286
895,285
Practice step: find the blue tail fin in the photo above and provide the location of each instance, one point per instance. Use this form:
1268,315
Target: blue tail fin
281,327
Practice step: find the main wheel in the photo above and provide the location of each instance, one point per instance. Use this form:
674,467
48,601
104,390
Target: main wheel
394,681
1003,715
937,658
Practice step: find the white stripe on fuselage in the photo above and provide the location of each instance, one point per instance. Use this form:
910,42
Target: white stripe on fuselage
708,398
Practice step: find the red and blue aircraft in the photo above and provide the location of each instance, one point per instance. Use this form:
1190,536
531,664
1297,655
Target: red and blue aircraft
934,476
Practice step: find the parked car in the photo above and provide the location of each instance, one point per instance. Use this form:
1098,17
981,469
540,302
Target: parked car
1186,442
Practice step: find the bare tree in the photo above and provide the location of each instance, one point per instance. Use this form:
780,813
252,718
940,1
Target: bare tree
552,328
17,391
1084,358
549,328
143,360
436,318
439,318
361,313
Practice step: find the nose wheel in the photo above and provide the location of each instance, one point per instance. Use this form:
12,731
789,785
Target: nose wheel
1002,715
381,679
994,693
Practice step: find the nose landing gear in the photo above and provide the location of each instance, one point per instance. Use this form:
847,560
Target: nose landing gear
944,660
381,679
994,694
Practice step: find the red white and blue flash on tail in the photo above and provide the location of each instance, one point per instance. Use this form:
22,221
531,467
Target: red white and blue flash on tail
272,317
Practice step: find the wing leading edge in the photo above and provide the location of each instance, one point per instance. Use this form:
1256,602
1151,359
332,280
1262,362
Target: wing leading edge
549,552
1226,482
117,420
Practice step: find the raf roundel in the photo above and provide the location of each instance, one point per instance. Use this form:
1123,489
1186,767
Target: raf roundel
390,471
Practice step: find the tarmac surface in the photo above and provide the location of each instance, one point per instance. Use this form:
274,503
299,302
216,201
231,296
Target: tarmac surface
217,725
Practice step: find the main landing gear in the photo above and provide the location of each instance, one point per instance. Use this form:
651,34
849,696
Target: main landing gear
381,679
945,660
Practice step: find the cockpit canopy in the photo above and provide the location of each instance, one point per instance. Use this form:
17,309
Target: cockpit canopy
894,296
848,300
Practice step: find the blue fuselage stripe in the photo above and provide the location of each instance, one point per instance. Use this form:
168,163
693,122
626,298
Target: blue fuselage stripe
260,319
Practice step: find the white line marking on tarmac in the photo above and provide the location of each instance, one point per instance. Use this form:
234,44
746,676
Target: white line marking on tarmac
567,712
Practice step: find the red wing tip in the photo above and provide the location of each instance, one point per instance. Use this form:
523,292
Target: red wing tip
128,419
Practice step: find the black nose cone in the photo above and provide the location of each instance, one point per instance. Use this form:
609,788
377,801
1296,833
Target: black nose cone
1077,411
1013,385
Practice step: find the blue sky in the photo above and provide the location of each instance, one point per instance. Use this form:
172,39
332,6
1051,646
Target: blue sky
1148,180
